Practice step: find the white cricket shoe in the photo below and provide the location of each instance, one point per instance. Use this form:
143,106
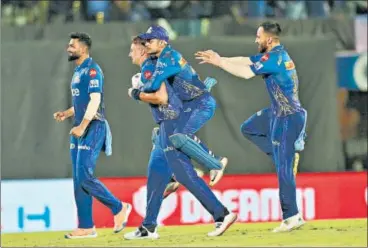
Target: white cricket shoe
291,223
221,227
142,233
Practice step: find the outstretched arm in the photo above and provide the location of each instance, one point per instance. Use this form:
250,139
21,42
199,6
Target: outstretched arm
238,60
237,67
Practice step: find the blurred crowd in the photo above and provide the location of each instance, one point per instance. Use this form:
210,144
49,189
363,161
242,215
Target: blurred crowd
23,12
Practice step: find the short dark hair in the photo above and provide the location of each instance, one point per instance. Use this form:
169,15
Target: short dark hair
272,28
82,37
138,40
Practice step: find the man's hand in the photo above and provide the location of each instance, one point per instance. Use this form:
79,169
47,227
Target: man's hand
60,116
208,57
63,115
134,93
77,131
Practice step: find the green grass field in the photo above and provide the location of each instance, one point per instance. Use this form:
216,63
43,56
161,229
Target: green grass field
315,233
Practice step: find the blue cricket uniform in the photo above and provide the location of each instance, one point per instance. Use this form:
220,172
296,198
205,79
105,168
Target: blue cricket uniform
279,131
159,172
88,78
187,86
198,104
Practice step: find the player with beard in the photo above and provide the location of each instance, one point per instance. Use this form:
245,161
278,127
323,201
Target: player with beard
89,136
279,131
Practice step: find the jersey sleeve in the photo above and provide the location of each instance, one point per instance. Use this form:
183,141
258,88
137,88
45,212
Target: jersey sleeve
266,64
147,72
166,67
95,81
256,58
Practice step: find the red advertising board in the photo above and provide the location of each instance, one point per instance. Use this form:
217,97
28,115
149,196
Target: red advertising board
254,197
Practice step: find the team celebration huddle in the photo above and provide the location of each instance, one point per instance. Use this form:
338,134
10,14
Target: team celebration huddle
181,104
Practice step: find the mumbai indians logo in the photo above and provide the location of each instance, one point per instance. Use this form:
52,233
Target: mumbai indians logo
149,30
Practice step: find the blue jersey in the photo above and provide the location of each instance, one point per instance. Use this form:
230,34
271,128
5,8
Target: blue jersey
281,80
171,66
87,78
160,113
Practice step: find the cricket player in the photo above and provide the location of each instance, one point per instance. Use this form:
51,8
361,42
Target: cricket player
177,160
162,107
90,134
279,131
198,103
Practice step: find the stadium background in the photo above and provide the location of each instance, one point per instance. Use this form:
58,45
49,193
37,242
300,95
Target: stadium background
327,40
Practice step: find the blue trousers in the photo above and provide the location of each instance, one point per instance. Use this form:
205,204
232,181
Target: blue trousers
277,136
84,153
183,170
197,113
159,175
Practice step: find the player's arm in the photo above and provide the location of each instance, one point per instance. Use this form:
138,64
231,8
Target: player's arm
165,68
261,64
266,64
95,88
238,60
157,97
92,107
69,112
63,115
237,69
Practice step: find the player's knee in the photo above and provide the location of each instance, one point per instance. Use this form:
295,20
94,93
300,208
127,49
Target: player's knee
88,183
189,177
182,178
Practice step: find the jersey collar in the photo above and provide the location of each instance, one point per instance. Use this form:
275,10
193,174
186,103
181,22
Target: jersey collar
167,48
85,63
145,62
278,48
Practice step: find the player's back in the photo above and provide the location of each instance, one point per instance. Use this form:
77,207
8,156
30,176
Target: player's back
87,78
280,75
186,82
161,112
